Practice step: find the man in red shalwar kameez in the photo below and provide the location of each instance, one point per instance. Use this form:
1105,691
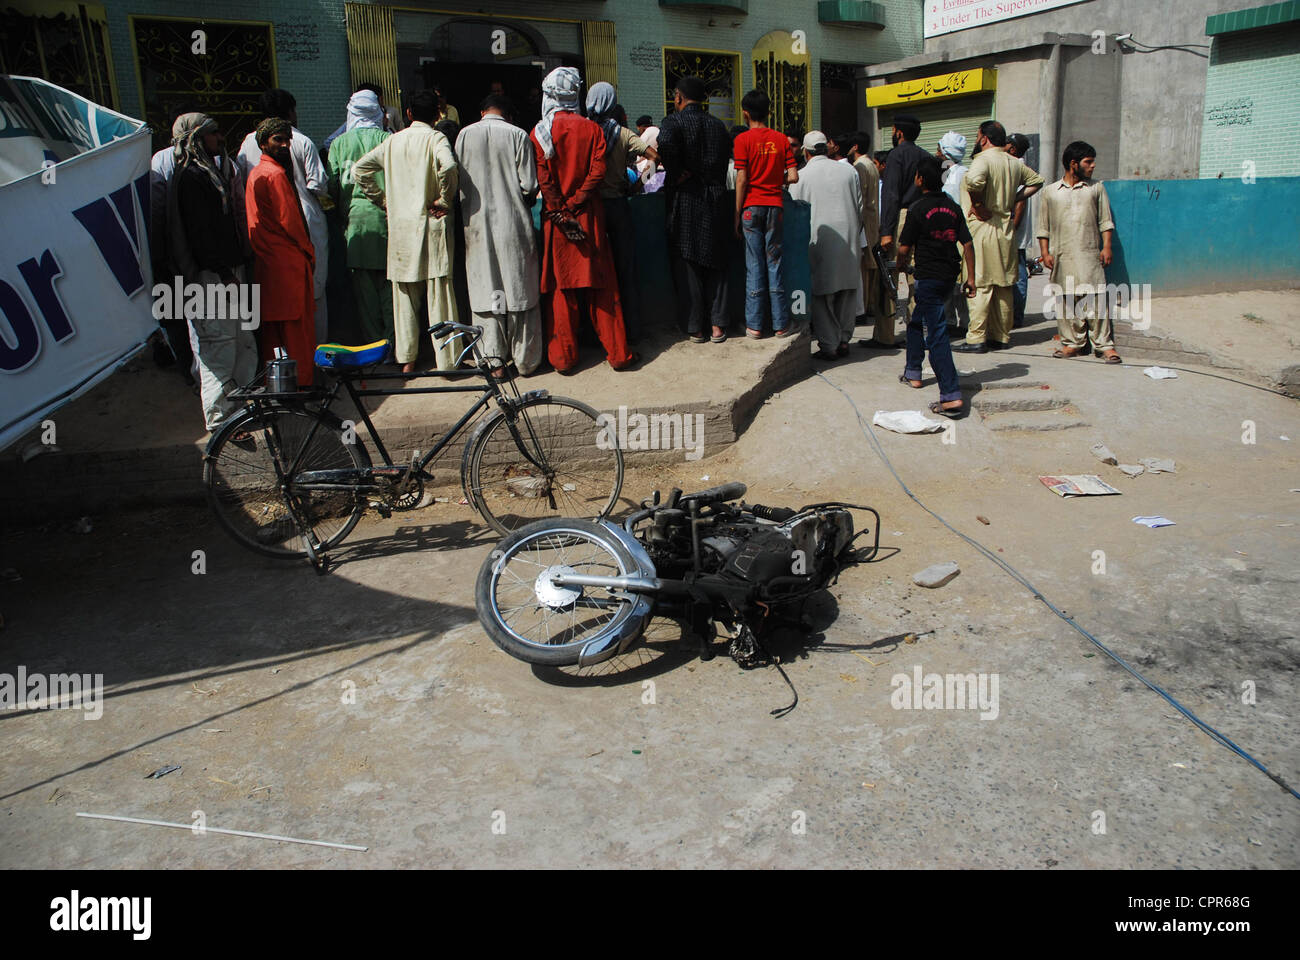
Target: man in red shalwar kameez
570,154
285,255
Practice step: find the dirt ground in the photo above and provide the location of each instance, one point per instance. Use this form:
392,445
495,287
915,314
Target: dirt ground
368,706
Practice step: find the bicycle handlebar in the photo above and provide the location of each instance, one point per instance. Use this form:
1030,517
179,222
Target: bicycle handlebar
446,327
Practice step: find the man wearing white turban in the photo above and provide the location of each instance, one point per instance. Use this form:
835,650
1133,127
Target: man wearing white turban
952,149
365,226
570,154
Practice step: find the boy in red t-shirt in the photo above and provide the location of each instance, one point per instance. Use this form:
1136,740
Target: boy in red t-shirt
764,164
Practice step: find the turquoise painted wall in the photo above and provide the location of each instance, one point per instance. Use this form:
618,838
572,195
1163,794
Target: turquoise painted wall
1206,236
654,277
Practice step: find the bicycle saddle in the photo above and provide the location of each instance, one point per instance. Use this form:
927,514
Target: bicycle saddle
339,356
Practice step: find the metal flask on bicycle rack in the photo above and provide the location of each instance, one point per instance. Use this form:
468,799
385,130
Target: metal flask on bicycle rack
282,373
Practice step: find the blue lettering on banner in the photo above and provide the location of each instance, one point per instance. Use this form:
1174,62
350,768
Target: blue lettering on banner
116,234
27,341
112,223
40,276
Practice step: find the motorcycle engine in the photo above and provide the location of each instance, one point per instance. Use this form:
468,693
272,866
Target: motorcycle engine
749,551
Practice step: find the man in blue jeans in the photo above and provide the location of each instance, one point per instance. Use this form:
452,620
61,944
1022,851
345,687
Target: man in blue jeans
764,164
934,227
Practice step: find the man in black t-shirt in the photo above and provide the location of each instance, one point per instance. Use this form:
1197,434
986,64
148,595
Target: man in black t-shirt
933,227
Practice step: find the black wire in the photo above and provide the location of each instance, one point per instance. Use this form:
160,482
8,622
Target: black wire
1139,366
1015,574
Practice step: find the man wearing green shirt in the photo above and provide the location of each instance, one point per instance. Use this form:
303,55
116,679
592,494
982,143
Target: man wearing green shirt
365,225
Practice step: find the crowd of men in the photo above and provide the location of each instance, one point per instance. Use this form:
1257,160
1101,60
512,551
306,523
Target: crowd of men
417,196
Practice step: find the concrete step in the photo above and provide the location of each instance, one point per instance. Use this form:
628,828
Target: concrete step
1007,384
1061,418
1008,401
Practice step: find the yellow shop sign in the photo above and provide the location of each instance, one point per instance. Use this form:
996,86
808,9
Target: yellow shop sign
944,85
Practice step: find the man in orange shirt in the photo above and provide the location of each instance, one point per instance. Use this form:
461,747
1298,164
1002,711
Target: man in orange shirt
286,258
764,164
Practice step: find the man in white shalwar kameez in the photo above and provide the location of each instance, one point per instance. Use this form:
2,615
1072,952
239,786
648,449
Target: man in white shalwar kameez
312,181
497,171
419,192
835,251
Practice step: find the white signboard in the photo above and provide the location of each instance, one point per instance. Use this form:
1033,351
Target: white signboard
948,16
74,256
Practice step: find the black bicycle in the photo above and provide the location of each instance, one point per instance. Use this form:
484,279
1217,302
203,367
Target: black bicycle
288,477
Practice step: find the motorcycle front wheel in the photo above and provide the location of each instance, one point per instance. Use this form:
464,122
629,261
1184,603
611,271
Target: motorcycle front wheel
538,621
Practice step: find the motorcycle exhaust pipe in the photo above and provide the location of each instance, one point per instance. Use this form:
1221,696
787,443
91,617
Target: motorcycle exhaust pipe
630,584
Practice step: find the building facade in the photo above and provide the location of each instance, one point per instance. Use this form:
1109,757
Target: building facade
1128,77
149,58
1251,124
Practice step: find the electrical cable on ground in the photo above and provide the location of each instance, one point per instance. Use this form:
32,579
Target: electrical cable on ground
1011,571
1139,366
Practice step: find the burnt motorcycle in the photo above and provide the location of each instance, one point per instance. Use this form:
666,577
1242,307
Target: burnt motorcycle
563,592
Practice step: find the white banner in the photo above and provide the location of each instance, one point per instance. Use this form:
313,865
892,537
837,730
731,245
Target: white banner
75,274
947,16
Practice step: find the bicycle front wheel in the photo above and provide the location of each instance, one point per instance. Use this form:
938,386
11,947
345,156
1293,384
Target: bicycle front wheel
246,490
564,464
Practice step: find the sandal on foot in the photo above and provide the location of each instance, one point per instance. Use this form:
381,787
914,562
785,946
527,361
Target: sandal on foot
630,365
952,413
718,339
1111,357
1065,353
914,384
754,334
699,338
782,334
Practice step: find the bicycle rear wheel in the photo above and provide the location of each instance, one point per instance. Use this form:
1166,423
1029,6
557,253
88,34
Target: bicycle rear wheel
568,466
246,493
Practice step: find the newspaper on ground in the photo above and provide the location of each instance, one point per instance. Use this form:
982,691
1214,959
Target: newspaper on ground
1077,485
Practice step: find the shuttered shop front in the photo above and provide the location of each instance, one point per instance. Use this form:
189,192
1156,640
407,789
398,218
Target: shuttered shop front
963,114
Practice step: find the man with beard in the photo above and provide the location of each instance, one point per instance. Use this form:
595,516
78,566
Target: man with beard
898,192
277,231
207,247
312,184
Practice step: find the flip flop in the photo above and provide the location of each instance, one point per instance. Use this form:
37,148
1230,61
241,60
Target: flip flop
955,413
782,334
696,338
902,378
721,339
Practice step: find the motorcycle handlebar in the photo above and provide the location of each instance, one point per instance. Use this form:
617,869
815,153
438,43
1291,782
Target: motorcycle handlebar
720,493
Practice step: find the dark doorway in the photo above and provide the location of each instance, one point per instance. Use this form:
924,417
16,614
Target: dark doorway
839,106
466,84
